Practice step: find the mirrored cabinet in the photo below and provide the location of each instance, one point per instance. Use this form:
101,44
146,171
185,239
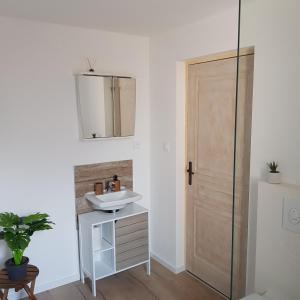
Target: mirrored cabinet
106,105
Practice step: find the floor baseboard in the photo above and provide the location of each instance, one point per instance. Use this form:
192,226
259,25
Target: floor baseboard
167,265
45,286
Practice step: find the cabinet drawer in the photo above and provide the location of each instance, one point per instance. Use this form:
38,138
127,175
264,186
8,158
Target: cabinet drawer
131,261
132,253
132,220
131,228
141,234
131,245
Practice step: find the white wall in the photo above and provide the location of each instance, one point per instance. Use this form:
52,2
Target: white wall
214,34
272,26
39,129
277,251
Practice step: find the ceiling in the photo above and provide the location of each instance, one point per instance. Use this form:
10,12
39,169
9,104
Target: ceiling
141,17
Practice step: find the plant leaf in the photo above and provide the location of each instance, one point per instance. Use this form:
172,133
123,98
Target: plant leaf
34,218
9,219
17,241
39,226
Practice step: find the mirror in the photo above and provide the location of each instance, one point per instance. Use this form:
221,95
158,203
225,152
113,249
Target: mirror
106,106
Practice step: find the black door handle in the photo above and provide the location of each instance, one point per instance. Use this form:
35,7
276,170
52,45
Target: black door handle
191,173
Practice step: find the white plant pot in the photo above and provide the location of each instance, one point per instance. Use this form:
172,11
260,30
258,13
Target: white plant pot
274,178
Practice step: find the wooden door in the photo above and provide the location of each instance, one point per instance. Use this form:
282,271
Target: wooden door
211,98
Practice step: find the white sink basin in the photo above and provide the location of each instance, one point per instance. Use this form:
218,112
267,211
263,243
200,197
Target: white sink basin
112,201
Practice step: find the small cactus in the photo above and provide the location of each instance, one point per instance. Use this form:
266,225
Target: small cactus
273,167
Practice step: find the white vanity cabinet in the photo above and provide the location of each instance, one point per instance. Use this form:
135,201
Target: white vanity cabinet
113,242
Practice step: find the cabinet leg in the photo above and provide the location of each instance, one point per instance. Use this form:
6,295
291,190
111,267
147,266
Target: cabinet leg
82,276
94,288
148,267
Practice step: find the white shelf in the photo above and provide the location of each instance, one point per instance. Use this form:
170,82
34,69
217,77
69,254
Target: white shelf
102,270
104,246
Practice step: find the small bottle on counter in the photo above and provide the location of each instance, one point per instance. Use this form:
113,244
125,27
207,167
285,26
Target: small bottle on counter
98,188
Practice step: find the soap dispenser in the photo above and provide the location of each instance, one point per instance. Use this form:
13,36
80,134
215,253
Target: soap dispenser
117,184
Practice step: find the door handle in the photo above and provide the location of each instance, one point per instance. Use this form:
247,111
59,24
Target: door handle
190,172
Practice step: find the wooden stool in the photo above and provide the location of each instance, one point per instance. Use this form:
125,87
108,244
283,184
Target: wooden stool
6,284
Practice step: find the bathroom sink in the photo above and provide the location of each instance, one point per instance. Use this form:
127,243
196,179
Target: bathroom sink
112,201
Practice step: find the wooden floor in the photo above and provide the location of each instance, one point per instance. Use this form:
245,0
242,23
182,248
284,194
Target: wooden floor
134,284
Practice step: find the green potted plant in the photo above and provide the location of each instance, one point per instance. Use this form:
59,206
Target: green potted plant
16,232
274,175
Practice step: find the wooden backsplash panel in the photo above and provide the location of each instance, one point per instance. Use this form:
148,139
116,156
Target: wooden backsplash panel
85,177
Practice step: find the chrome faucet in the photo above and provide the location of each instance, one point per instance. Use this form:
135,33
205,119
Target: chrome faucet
109,186
113,185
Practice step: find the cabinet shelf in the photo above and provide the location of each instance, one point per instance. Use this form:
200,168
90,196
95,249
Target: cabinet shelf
104,246
102,269
103,237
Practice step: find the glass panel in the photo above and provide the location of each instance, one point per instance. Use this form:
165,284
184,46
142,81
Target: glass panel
270,244
242,140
